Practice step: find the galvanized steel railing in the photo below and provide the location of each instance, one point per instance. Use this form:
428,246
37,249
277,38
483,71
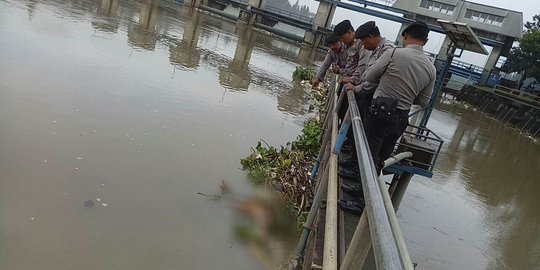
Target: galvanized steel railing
383,233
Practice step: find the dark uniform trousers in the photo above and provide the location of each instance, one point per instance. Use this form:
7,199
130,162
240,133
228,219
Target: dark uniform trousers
382,136
363,101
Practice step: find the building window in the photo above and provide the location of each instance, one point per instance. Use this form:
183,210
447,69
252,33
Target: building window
437,7
484,17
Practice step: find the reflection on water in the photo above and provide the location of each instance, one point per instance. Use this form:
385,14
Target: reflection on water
144,104
136,107
480,209
185,53
236,75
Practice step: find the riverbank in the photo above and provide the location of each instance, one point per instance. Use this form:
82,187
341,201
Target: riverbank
521,112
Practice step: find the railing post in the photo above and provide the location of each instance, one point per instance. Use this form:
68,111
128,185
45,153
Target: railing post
359,247
402,182
330,250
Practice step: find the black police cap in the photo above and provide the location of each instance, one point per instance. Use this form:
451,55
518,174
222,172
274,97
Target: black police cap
331,39
365,29
343,27
417,27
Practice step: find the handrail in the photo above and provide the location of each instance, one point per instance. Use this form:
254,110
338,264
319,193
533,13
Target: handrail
383,233
386,247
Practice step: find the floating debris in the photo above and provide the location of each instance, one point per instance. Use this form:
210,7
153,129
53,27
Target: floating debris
54,121
45,161
77,168
89,203
105,204
32,218
79,158
98,199
287,169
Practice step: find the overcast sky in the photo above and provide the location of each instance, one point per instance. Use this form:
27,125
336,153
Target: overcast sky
390,29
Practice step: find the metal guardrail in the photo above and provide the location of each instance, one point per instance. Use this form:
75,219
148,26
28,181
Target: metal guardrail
464,65
383,233
386,247
289,14
515,92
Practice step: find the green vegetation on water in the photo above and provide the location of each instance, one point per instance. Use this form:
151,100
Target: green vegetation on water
287,169
305,74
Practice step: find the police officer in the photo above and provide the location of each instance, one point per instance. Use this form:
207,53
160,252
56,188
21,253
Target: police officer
372,41
405,76
345,31
335,57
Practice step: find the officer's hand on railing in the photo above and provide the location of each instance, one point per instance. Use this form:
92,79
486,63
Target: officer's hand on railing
336,69
315,83
346,79
349,87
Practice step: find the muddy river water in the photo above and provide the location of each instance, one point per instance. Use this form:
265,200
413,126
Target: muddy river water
138,108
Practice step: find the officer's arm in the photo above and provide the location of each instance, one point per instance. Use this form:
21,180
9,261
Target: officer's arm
353,57
375,71
363,59
321,73
357,75
425,95
366,87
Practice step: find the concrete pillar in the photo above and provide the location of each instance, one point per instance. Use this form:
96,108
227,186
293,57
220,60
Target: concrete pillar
143,34
399,38
109,7
323,18
443,52
258,3
192,31
195,3
490,64
185,53
149,15
247,15
306,54
237,75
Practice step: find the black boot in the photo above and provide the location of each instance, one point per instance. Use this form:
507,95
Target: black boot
352,206
355,190
347,161
349,174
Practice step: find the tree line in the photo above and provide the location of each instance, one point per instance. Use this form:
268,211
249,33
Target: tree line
295,8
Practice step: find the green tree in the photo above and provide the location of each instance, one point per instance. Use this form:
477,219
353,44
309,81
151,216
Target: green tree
525,58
